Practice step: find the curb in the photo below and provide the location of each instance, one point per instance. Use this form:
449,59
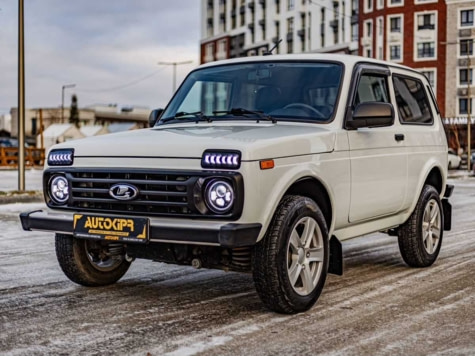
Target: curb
27,197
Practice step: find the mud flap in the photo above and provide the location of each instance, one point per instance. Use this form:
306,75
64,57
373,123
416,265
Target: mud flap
447,208
336,257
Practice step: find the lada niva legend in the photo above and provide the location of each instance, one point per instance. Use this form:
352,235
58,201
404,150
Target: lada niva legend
261,165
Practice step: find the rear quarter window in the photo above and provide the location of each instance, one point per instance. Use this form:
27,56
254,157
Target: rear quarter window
412,101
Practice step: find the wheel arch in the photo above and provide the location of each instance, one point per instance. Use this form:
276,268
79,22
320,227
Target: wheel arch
315,190
435,179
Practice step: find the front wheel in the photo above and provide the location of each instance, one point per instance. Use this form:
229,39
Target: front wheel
420,237
290,264
90,263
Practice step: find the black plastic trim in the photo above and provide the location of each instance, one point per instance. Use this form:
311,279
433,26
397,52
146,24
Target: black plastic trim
228,235
235,178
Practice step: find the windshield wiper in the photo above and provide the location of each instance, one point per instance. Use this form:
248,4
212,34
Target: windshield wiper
197,115
244,112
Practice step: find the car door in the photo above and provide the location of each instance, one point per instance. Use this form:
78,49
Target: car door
378,156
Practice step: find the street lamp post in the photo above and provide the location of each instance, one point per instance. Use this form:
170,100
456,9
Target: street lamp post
21,97
174,64
62,99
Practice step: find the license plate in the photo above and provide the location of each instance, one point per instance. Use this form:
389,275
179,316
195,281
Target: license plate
111,228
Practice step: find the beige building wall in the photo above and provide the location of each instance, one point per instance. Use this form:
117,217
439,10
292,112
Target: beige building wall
49,116
455,60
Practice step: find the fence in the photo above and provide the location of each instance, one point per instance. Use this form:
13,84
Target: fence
33,157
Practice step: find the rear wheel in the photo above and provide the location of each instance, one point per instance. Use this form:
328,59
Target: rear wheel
290,264
90,263
420,237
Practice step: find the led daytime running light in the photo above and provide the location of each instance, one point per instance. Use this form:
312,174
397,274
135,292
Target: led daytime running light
230,160
61,158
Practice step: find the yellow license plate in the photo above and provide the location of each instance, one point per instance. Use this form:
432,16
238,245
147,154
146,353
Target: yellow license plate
111,228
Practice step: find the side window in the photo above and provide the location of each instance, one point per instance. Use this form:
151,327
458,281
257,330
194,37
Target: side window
412,102
372,87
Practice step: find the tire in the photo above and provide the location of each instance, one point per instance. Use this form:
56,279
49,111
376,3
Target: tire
420,237
289,264
90,263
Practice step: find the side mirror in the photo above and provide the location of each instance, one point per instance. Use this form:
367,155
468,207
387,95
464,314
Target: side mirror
154,116
371,114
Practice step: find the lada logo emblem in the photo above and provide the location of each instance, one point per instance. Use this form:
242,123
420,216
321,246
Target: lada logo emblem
123,191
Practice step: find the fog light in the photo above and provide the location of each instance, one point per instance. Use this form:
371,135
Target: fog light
59,189
219,196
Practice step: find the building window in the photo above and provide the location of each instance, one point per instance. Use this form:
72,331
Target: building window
426,22
380,4
395,53
466,18
368,5
354,32
290,5
466,47
430,75
369,29
395,3
395,24
426,50
464,78
463,108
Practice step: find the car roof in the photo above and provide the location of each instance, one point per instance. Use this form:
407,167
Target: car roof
347,59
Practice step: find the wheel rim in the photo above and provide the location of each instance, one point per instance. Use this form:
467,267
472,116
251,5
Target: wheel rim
431,226
305,254
104,257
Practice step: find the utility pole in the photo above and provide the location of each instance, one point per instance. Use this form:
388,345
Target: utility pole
469,109
174,64
21,99
62,99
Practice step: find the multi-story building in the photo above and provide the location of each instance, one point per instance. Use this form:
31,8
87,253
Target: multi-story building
460,60
236,28
433,36
410,32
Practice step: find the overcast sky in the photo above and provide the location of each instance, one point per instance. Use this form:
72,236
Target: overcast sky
108,48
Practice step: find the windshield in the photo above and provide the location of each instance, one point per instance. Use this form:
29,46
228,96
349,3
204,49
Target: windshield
298,91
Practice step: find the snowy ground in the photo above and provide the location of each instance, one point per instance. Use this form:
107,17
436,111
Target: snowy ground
9,179
378,307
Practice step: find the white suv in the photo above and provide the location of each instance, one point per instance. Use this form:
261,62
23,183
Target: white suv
259,165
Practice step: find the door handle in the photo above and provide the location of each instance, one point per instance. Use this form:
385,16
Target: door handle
399,137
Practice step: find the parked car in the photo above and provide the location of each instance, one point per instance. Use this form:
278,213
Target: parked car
454,161
260,165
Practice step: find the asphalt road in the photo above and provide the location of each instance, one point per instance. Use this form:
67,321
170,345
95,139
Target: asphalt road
378,307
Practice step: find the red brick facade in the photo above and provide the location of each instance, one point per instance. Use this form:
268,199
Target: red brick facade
408,10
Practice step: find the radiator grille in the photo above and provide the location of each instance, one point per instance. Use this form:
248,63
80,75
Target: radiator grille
159,193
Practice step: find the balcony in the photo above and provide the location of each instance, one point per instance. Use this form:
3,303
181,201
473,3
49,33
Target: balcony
262,22
301,33
290,36
334,24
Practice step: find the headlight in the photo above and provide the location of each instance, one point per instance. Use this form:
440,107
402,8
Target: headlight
59,189
63,157
221,159
219,196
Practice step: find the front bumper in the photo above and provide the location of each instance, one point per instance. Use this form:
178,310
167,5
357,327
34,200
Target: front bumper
226,235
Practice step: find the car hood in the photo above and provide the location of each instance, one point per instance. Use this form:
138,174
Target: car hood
255,141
